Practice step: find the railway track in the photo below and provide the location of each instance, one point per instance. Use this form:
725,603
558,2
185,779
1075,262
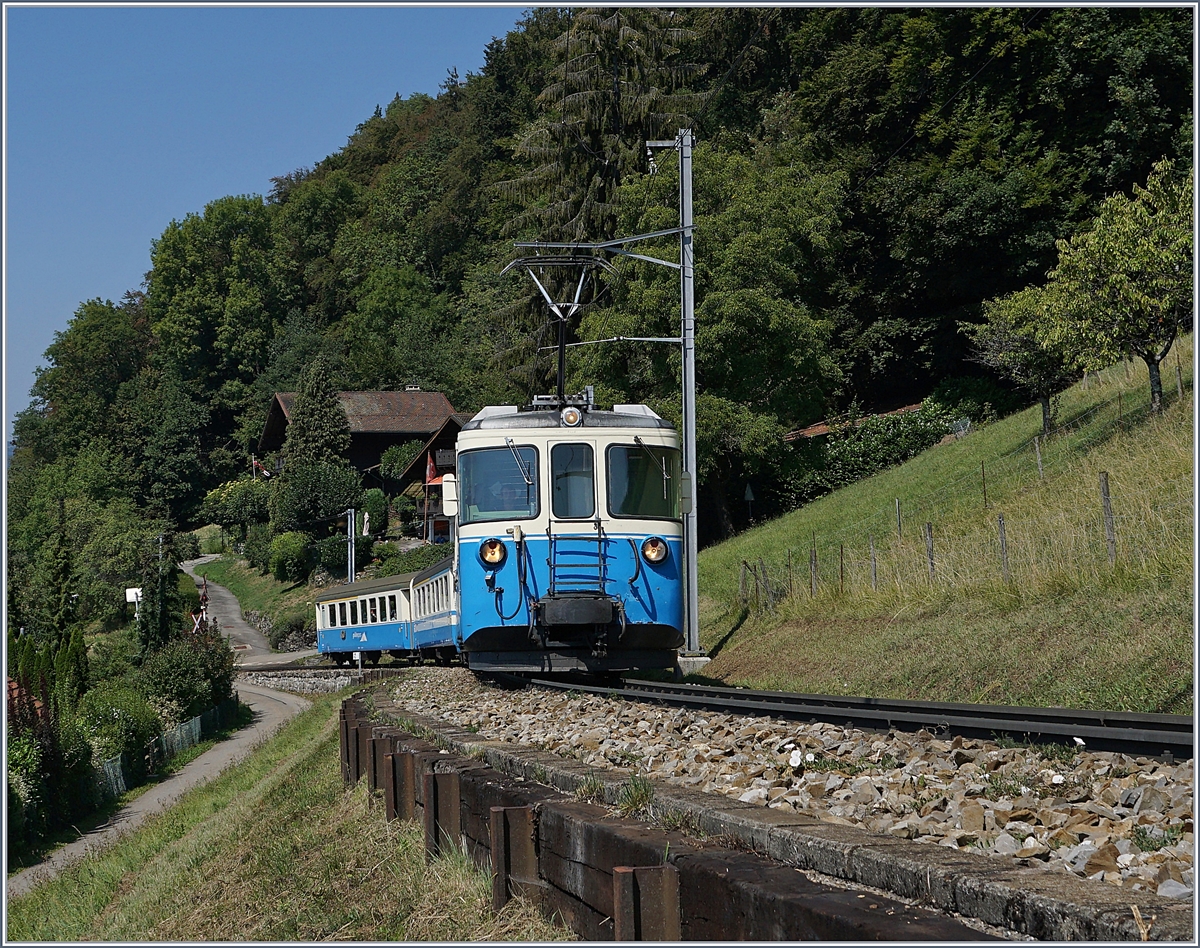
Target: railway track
1166,736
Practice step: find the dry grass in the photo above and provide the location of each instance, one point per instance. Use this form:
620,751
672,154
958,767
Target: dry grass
288,855
1067,628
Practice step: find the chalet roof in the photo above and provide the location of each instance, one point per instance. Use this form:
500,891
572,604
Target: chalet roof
393,413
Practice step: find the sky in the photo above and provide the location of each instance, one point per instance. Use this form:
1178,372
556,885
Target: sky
119,120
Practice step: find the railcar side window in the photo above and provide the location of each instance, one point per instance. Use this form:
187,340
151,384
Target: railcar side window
332,615
643,481
342,613
354,612
494,486
391,607
572,476
374,611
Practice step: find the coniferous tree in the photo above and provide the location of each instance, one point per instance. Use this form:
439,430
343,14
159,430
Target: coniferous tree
318,430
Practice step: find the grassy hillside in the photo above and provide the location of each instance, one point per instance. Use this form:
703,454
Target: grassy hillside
1066,628
274,849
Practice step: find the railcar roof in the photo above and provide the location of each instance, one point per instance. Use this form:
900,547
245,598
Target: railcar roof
550,419
367,586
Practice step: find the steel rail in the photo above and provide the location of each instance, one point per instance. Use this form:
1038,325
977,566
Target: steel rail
1166,736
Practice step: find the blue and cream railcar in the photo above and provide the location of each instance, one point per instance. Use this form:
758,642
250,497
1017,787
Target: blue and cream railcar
568,548
412,615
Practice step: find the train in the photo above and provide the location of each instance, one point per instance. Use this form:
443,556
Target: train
565,555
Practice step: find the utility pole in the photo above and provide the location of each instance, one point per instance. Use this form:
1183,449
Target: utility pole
350,547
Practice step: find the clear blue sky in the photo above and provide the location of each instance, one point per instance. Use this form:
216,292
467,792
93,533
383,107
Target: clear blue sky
119,120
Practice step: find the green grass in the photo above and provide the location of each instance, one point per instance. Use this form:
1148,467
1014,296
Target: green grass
282,602
1067,628
274,849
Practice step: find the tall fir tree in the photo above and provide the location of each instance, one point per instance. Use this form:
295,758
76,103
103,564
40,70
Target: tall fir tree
318,430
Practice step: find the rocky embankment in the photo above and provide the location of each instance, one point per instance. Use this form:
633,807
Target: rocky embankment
1123,820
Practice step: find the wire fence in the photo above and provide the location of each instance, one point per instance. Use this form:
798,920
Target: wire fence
1084,522
117,774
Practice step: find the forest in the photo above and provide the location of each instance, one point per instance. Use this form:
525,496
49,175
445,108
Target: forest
891,205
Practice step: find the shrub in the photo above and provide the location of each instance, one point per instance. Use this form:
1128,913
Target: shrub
394,460
176,675
257,546
26,791
331,554
290,557
375,503
118,719
187,546
393,561
408,517
975,397
308,493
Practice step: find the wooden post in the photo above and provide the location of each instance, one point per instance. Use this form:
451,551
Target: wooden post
929,547
790,587
1120,413
1178,377
899,532
842,568
1086,381
812,568
983,478
743,593
1110,533
1003,550
766,585
1037,449
514,857
646,903
874,568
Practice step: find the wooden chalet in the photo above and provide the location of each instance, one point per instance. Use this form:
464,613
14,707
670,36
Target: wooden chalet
377,421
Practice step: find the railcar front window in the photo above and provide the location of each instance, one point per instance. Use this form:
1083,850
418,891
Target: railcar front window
573,477
643,481
494,486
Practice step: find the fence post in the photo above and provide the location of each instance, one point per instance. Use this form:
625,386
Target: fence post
766,584
841,568
812,568
983,477
929,547
1178,377
1037,449
1003,549
874,570
1110,533
790,587
1120,414
899,531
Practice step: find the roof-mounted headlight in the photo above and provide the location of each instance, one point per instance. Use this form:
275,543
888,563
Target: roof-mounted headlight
572,417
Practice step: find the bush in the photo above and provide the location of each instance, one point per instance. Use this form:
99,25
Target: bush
394,460
375,503
187,546
257,546
290,557
408,517
118,719
312,492
293,623
331,554
176,682
975,397
26,791
393,561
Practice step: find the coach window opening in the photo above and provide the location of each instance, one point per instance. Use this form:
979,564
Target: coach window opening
660,461
631,473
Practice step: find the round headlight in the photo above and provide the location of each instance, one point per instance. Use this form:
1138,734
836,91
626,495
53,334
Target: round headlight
572,417
654,550
492,552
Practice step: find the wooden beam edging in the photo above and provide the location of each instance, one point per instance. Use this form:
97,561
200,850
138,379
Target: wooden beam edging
1046,905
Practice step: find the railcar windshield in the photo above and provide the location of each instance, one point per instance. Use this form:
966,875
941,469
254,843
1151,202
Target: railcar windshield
573,494
498,484
643,481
